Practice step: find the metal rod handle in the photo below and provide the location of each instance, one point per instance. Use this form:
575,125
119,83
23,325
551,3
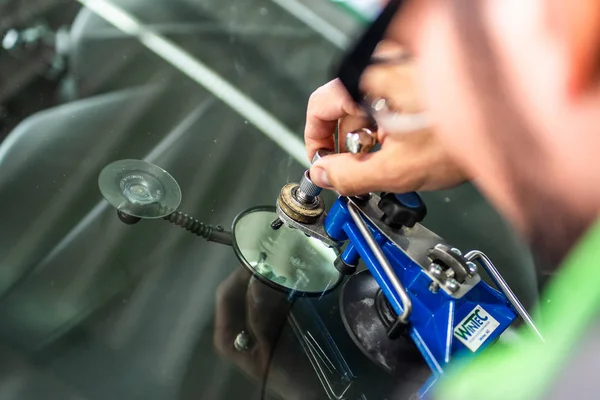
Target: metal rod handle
364,230
501,283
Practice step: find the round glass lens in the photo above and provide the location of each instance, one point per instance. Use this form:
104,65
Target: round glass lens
284,257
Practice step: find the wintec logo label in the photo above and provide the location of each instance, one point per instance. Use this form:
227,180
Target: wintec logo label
474,330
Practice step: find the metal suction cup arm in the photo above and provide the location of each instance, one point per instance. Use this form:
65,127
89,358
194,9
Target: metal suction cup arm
211,233
141,190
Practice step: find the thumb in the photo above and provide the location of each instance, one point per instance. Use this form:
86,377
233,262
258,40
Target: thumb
349,174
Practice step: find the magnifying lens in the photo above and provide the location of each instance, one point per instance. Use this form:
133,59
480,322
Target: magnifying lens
284,259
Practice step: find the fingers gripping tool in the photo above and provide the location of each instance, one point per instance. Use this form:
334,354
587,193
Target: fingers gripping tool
423,288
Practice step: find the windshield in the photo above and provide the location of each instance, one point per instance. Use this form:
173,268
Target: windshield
214,94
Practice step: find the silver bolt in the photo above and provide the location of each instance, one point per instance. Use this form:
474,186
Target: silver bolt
456,251
472,267
379,104
242,341
436,270
361,141
452,285
434,287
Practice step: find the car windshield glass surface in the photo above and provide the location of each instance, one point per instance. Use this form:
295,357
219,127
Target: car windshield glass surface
95,305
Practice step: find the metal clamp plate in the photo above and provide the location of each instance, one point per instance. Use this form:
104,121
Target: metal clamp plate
416,242
316,230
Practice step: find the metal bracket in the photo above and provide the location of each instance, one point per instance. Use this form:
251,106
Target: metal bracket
419,243
316,230
450,271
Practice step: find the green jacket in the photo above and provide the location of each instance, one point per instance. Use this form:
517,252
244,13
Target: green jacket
530,369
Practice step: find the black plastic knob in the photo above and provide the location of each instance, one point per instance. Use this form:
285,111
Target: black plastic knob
344,268
127,219
402,209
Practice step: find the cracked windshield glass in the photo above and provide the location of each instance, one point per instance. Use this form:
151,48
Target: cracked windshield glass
160,238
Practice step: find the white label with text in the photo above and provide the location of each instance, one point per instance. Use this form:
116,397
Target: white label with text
475,328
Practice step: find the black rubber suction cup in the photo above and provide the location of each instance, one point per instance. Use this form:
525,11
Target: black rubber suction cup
366,316
139,189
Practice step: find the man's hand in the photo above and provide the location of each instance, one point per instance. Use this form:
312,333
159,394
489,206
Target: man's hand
326,106
406,162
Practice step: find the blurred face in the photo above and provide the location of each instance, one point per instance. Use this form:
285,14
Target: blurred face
494,77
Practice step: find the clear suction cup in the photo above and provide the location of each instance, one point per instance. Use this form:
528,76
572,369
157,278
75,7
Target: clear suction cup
139,189
285,259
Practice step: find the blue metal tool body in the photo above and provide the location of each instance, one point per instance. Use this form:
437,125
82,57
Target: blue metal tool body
434,316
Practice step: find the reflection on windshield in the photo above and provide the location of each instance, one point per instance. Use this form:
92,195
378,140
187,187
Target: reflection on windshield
201,74
221,107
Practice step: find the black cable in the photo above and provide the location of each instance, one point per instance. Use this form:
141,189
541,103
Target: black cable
211,233
190,224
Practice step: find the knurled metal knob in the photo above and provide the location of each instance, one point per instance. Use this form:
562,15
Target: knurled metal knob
307,190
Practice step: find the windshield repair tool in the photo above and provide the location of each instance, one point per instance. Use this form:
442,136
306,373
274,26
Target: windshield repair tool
418,294
420,298
284,259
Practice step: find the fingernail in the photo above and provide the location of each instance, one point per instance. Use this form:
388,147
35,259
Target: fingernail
319,177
